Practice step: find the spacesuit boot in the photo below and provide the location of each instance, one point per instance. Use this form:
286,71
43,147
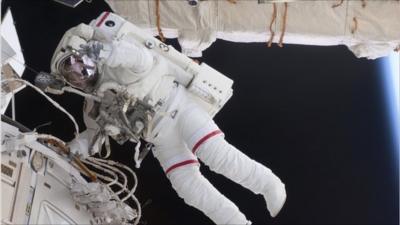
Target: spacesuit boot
275,197
225,159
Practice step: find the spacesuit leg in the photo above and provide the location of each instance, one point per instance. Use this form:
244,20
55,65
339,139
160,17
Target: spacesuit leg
225,159
182,169
198,192
205,139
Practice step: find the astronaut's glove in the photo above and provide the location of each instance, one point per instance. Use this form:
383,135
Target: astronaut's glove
76,36
96,50
91,49
79,147
82,146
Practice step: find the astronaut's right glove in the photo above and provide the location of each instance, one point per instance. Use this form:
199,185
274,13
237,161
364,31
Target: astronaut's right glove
85,145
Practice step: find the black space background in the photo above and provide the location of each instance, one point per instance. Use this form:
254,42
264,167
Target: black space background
315,115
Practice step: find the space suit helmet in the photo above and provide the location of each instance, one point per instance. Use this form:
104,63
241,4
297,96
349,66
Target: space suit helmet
80,71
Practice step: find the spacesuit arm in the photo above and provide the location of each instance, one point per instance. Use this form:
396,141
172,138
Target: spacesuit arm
85,141
129,55
76,36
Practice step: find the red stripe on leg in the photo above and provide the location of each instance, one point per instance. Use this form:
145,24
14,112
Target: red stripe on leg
205,138
180,164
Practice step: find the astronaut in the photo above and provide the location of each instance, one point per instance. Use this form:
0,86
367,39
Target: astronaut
180,129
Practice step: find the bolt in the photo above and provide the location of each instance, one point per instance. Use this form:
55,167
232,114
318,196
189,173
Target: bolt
149,44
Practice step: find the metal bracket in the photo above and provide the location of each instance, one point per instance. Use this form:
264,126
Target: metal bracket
70,3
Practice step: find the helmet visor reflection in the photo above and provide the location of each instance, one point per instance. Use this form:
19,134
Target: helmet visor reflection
79,71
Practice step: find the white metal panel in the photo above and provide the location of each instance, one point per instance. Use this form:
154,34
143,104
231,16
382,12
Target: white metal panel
23,193
70,3
7,51
9,33
51,214
9,175
15,188
51,187
306,22
53,202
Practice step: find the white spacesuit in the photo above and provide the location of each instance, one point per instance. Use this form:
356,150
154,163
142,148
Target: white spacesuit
182,132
